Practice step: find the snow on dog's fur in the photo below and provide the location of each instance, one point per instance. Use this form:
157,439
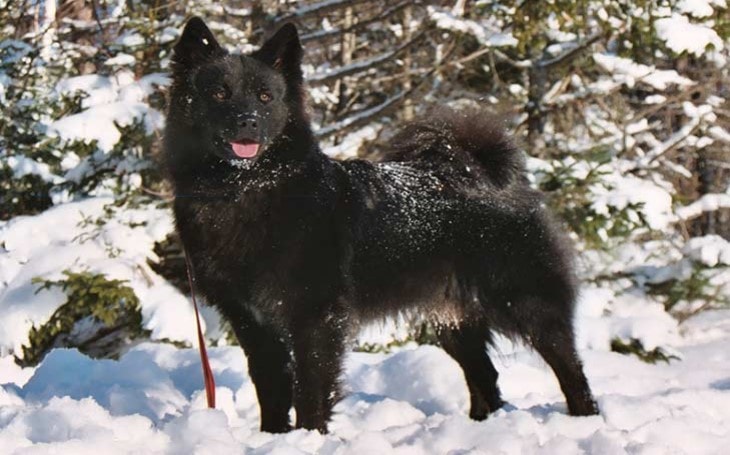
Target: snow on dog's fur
296,249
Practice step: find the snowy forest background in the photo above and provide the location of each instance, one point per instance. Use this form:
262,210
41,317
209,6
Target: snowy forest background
621,106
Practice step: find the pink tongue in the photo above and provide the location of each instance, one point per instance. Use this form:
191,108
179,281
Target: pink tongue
248,150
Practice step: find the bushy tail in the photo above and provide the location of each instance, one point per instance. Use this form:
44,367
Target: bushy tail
468,139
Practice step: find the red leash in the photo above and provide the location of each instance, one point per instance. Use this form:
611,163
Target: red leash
207,372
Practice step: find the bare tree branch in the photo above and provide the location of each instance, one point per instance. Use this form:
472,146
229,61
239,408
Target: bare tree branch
317,8
363,65
368,114
570,54
322,34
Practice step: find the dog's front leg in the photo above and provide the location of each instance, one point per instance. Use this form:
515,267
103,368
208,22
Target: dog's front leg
269,366
318,344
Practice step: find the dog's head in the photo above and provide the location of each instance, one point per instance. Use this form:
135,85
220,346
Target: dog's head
238,104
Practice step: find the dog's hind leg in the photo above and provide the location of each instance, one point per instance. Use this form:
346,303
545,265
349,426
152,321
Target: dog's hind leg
553,338
269,365
468,346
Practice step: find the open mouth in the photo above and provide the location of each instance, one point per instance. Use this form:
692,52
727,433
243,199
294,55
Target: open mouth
245,148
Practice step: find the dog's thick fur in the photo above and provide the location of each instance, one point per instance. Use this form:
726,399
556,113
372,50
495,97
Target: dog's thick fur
296,249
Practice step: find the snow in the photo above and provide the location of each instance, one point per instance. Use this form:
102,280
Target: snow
130,39
413,401
656,200
351,144
700,8
110,101
635,318
22,166
719,133
486,34
710,250
681,35
628,72
620,189
66,237
121,59
706,203
99,123
169,34
98,89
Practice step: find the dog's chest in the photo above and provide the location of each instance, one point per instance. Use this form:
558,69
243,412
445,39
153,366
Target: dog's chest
253,238
220,234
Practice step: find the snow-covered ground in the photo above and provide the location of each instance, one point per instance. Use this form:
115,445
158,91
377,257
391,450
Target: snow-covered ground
412,401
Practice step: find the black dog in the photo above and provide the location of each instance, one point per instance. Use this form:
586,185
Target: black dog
296,249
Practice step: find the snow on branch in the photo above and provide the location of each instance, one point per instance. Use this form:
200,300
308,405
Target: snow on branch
488,36
628,72
711,250
681,35
707,203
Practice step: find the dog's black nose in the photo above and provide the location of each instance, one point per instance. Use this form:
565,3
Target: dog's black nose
249,125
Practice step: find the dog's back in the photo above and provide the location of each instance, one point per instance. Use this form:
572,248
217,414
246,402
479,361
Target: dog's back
449,224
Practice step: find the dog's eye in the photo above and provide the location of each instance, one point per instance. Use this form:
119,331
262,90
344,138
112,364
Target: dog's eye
265,97
220,94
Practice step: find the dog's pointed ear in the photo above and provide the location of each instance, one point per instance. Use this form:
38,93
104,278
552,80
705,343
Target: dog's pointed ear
196,45
283,52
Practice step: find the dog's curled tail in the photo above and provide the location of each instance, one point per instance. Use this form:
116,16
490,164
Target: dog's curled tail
463,138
